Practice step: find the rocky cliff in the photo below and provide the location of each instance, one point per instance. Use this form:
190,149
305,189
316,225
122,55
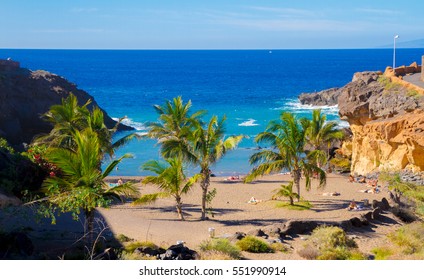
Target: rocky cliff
25,95
328,97
387,121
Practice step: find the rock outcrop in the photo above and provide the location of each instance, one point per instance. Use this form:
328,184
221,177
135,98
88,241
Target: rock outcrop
327,97
25,95
387,122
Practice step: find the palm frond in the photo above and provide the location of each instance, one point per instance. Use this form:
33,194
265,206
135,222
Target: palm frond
150,198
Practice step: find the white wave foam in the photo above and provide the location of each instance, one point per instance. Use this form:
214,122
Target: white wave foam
296,107
128,121
249,122
343,124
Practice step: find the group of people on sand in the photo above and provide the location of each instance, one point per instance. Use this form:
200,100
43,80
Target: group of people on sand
372,184
233,178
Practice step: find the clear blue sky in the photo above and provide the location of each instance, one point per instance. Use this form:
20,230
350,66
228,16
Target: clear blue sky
214,24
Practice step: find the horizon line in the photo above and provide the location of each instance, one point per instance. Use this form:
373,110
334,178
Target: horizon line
205,49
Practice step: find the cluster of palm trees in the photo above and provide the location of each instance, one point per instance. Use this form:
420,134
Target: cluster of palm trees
296,145
76,145
185,140
79,141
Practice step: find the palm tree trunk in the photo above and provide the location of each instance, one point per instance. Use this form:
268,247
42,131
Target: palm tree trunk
296,180
179,208
89,228
204,185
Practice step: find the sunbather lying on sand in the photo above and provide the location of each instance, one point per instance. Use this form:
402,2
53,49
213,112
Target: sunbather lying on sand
253,200
372,190
331,194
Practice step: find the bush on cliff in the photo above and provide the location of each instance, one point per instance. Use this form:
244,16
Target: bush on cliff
18,175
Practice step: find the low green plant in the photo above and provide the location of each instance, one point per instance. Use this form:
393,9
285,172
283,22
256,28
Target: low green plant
382,253
129,248
123,238
330,243
4,145
286,191
341,164
254,245
301,205
221,245
279,247
410,238
388,85
412,93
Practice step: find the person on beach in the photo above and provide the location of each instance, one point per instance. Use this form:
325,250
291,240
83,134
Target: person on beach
120,182
352,205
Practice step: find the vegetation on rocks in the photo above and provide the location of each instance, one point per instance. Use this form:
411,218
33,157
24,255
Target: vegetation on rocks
330,243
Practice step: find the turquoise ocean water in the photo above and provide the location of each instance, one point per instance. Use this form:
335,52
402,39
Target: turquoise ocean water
251,87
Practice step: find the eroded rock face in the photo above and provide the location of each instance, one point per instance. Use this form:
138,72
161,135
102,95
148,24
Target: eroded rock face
387,123
327,97
25,95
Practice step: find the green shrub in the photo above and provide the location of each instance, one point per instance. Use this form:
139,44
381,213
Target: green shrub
254,245
341,164
279,247
330,243
221,245
412,93
382,253
4,145
410,238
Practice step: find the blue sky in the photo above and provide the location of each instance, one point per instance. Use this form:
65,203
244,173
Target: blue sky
217,24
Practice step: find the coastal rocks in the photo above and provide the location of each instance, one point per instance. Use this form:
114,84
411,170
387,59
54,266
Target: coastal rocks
387,123
179,252
9,200
25,95
15,245
327,97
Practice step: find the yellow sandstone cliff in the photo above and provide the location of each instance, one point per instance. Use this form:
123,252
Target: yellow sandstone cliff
387,121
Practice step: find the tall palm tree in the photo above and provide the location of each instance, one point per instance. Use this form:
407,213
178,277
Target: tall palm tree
320,134
287,139
210,145
82,185
170,179
174,128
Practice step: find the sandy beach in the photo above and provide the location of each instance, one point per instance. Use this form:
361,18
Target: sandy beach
158,222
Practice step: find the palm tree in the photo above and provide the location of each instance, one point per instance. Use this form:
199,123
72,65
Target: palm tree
319,133
286,191
287,137
68,118
174,128
210,145
170,179
81,184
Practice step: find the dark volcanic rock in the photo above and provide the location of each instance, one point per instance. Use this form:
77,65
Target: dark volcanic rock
25,95
365,99
179,252
327,97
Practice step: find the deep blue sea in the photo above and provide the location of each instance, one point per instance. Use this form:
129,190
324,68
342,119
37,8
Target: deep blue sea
251,87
